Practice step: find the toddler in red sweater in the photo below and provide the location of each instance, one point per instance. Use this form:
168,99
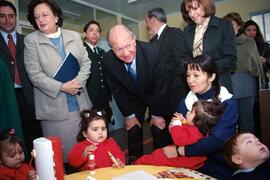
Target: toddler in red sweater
198,123
92,139
12,157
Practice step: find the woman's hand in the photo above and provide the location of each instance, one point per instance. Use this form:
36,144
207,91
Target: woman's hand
88,150
170,151
71,87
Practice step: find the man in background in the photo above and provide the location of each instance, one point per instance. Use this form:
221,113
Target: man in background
12,53
96,85
172,50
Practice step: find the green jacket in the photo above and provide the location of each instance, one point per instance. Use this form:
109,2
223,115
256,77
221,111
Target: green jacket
9,112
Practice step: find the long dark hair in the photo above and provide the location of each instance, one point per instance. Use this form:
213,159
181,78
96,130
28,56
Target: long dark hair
259,37
206,64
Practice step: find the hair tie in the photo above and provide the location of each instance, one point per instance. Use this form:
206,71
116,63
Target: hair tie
11,132
87,115
99,113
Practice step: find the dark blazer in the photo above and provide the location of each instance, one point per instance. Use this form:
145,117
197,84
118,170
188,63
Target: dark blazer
172,51
96,85
219,42
151,87
6,56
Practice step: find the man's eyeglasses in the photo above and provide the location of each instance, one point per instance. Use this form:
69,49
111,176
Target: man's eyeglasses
9,16
122,49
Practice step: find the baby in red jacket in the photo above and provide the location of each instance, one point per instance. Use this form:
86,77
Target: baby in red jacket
92,140
12,158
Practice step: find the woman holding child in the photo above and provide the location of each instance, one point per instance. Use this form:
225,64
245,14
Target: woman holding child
203,80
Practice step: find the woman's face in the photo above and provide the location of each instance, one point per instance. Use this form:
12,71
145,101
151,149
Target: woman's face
45,19
196,12
199,81
251,31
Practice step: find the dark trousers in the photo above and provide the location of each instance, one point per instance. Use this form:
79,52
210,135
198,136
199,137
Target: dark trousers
161,138
31,126
135,141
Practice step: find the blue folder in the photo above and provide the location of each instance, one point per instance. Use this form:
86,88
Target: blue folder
68,70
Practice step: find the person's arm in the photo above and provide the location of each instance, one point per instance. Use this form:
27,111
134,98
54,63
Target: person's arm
222,131
184,134
75,157
228,58
155,100
85,62
33,66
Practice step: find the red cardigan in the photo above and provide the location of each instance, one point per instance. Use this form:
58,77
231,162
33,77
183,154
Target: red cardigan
20,173
181,135
102,159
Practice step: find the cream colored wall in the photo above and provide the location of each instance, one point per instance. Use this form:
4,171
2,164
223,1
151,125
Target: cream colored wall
243,7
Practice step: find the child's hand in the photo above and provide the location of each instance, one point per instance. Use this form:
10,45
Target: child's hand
119,164
32,175
89,150
179,116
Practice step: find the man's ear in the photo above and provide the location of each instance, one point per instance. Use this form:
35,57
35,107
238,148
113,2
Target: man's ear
237,159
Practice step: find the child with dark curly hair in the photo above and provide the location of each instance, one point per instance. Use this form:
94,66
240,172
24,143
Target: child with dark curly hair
197,124
92,139
12,164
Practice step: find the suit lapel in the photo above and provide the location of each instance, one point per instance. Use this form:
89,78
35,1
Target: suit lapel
19,44
3,45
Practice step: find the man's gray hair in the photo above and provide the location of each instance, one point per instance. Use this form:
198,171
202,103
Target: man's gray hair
158,13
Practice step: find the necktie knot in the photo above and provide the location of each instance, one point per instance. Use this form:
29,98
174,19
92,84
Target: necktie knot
10,37
132,73
95,50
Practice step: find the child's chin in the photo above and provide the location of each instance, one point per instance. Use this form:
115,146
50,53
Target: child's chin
18,165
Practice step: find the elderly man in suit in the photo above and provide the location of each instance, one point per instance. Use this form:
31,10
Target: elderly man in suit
134,74
172,50
12,53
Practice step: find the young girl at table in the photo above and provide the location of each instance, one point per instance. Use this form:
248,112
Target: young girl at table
92,139
197,124
12,164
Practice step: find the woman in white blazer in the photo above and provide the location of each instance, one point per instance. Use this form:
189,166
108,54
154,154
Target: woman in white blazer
57,104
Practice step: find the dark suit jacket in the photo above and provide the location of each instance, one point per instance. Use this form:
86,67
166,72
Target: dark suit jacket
172,51
96,85
219,42
151,87
6,57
